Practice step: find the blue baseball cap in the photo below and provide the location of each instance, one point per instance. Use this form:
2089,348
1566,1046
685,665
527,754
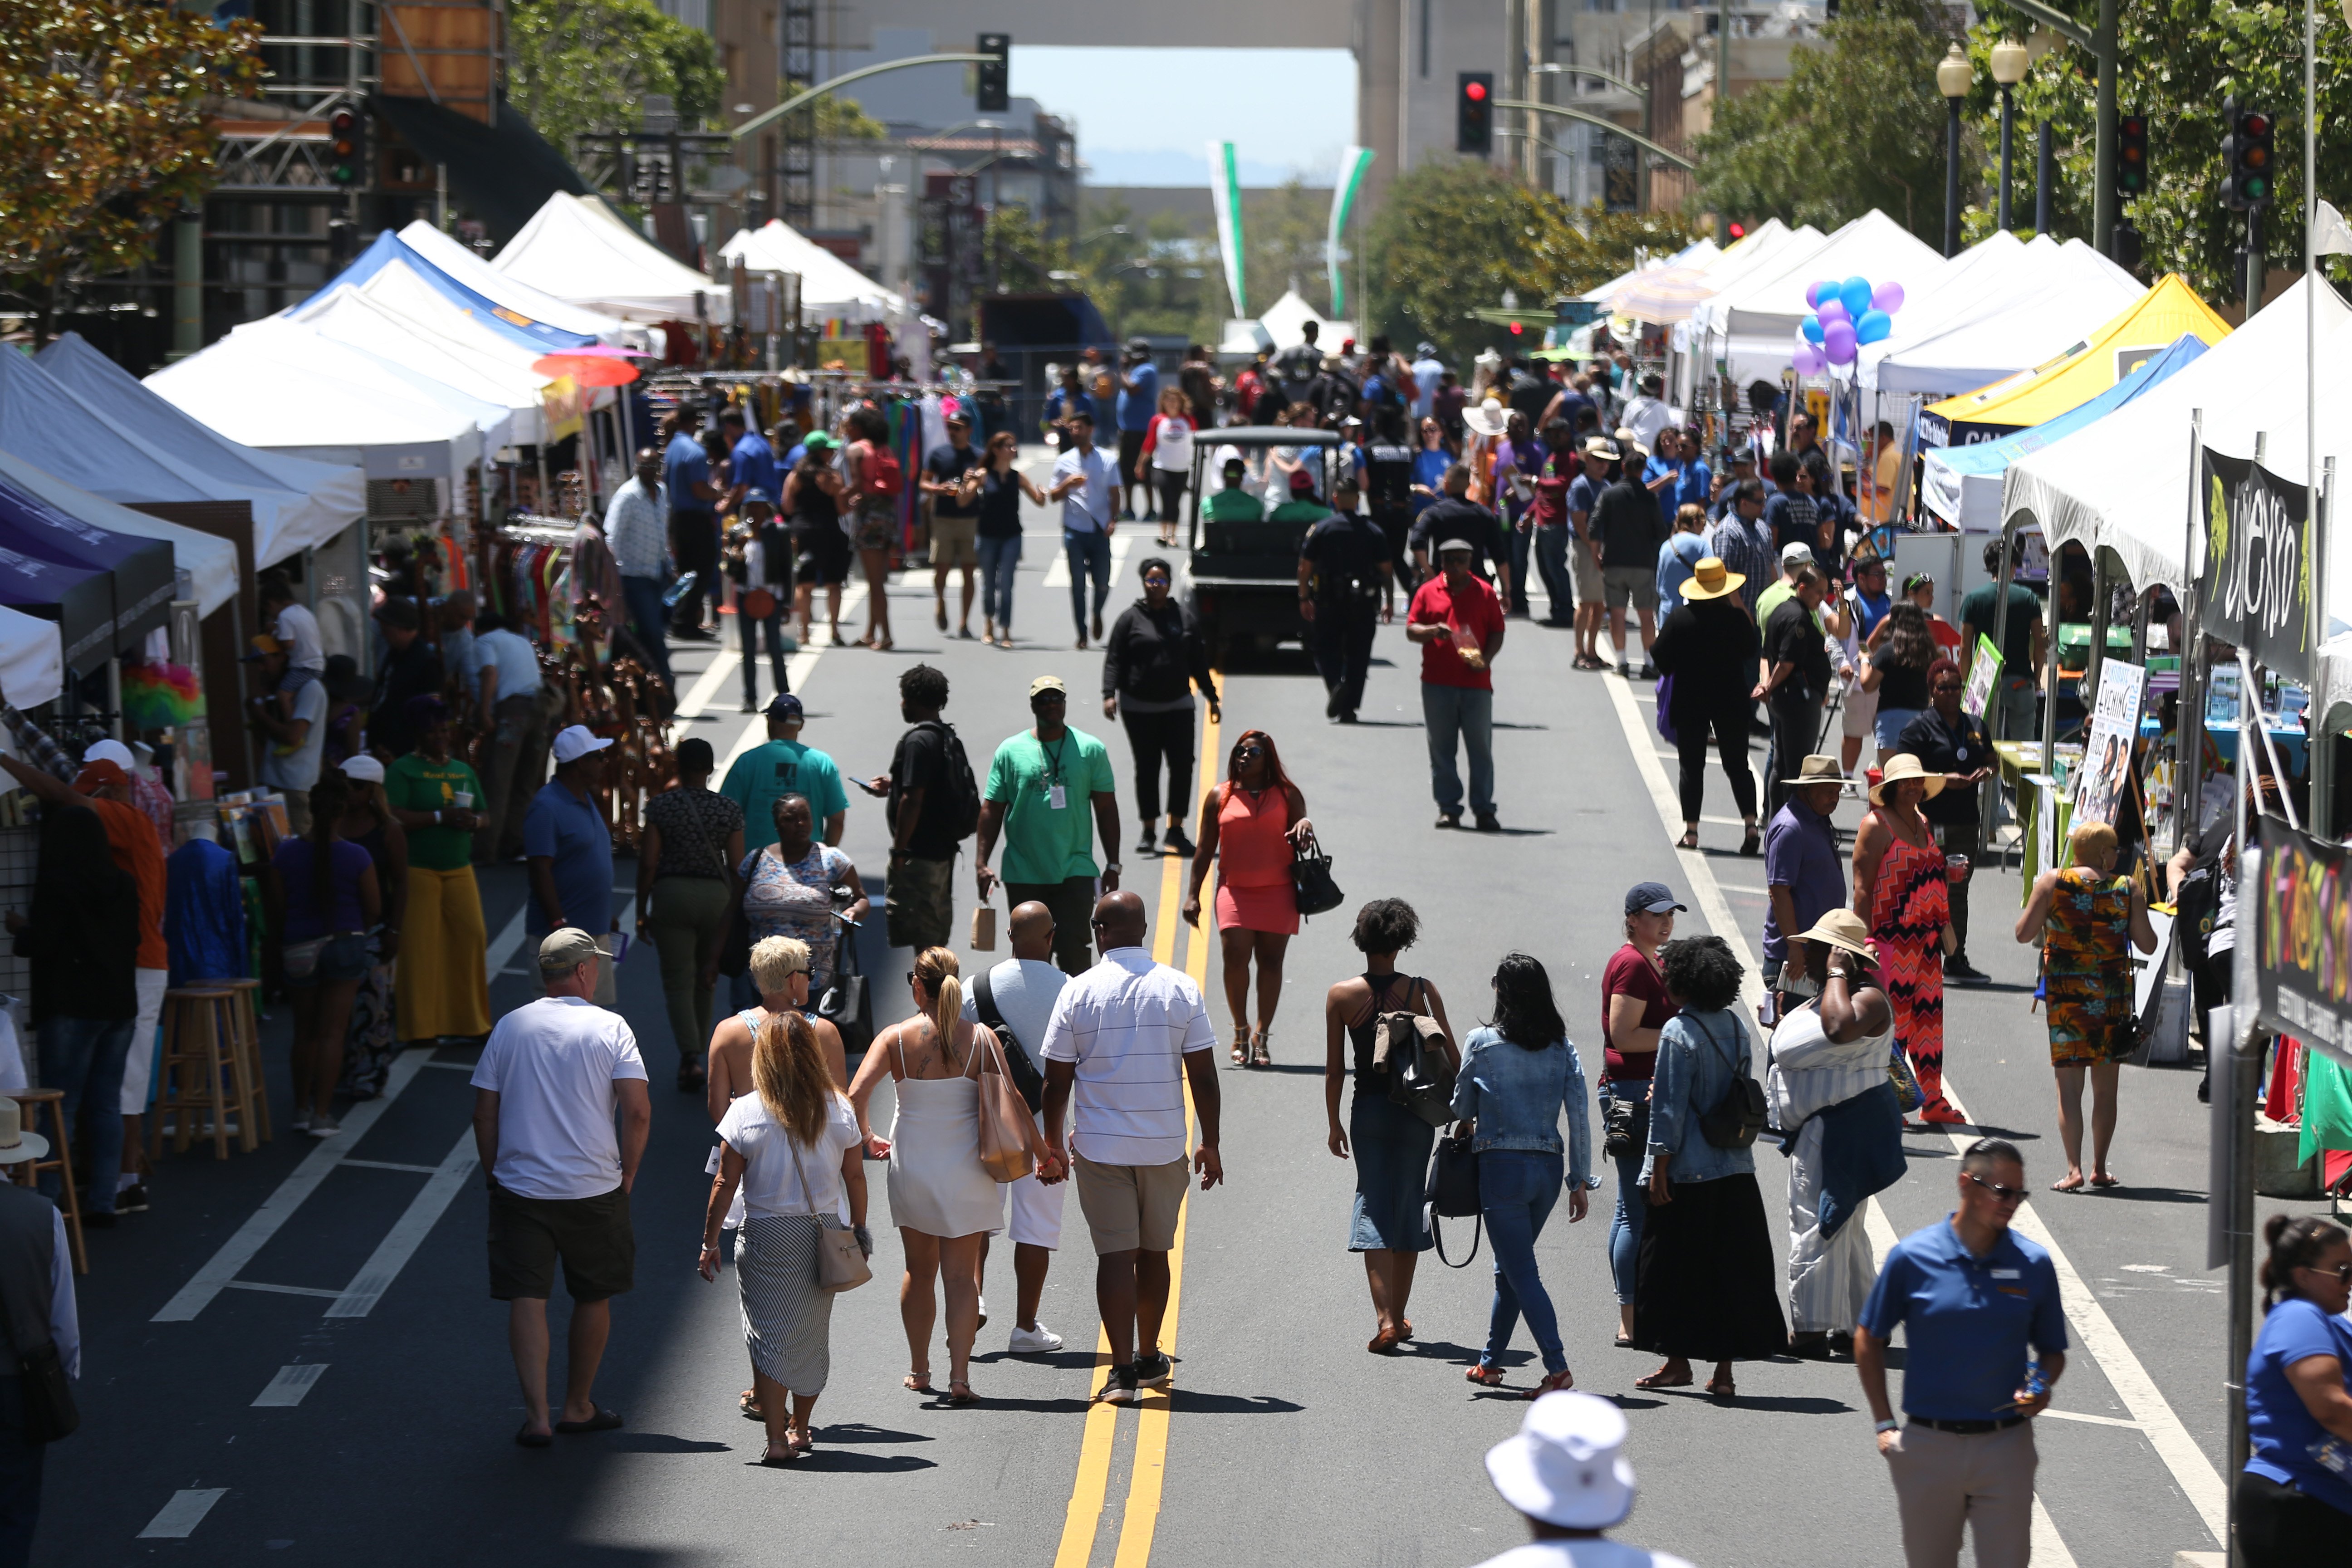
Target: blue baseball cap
1651,897
784,705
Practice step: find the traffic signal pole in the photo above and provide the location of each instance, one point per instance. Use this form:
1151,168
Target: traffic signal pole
2253,258
2104,208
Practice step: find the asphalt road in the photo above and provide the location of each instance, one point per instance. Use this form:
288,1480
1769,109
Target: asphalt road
1283,1440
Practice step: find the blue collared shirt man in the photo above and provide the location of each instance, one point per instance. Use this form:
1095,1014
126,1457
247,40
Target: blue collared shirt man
567,843
751,464
1972,1299
1086,482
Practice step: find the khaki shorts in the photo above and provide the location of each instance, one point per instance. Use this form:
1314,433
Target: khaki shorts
1131,1207
918,898
1584,570
1861,719
590,1236
1633,585
951,540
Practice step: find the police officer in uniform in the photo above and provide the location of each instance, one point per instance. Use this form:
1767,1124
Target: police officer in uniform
1347,587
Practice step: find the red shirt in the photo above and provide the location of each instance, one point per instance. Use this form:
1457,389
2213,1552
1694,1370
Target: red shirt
1479,611
1630,974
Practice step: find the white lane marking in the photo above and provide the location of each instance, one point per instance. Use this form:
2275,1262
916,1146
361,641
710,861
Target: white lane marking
266,1288
390,1165
251,1237
1745,889
399,1244
2191,1470
287,1389
177,1519
505,945
452,1067
2054,1414
1057,571
698,698
797,670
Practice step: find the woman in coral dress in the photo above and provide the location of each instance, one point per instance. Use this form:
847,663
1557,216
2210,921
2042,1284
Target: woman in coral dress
1250,827
1900,888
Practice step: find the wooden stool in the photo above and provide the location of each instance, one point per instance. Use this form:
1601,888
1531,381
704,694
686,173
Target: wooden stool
247,1013
27,1172
201,1068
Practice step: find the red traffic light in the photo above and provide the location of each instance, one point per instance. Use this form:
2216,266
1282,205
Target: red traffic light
1475,91
2256,124
1516,329
344,122
1739,231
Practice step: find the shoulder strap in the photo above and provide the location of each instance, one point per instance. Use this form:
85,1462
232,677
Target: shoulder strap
984,1000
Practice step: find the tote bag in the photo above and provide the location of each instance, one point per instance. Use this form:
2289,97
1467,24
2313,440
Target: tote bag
1004,1123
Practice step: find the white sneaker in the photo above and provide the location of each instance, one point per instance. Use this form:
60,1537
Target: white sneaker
983,1311
1040,1341
322,1125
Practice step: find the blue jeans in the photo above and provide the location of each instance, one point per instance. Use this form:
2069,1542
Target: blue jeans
647,619
1465,712
1087,552
1517,1188
772,629
1551,562
998,558
1889,729
1625,1224
1522,546
84,1057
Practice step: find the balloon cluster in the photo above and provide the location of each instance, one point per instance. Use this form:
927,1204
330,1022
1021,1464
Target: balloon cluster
1845,315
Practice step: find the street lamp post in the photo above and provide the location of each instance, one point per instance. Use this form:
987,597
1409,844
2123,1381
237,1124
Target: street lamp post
2010,60
1954,76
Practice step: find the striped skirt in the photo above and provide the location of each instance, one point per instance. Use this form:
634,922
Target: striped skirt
787,1320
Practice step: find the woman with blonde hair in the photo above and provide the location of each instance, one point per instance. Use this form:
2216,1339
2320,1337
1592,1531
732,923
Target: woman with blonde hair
2082,916
942,1199
792,1146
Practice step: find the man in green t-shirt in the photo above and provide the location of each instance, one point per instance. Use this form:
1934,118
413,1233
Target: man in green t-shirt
783,766
1037,794
2016,700
441,989
1232,503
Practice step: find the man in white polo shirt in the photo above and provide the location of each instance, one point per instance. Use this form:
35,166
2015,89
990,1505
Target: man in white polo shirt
1126,1035
1020,993
549,1081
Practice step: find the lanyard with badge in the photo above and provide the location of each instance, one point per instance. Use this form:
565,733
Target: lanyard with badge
1058,795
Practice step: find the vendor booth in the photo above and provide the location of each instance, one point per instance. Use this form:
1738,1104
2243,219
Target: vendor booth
831,288
1752,324
577,250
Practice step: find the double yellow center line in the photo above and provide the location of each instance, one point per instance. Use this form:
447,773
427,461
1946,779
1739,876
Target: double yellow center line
1140,1517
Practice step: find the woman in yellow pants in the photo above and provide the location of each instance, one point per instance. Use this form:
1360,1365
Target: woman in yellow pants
441,988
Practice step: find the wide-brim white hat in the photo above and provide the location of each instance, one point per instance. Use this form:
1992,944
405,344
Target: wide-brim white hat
1566,1465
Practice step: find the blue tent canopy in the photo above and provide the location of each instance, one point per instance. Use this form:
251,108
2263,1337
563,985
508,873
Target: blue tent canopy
80,599
1962,484
142,569
390,248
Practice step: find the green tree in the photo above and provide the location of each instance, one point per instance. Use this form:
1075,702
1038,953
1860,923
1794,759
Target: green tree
2178,60
1858,124
586,66
842,118
103,134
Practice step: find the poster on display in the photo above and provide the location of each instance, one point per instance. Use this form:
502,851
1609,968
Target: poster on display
2303,937
2107,753
2259,545
1984,674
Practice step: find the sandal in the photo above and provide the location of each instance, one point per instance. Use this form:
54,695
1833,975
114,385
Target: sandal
1384,1342
1261,1049
966,1397
690,1077
1552,1384
1404,1328
2106,1180
918,1383
1689,840
775,1461
1753,843
749,1402
1659,1379
1485,1377
1722,1390
599,1420
1241,1047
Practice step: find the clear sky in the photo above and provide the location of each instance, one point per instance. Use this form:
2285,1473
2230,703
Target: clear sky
1145,116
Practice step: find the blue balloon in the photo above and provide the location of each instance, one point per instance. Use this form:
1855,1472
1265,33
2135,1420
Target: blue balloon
1813,329
1873,326
1855,294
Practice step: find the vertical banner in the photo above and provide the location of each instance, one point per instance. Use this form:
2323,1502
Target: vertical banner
1984,675
1353,162
2301,908
1225,196
2115,730
2255,592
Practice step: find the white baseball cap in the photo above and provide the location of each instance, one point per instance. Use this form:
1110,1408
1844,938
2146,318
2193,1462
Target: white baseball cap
1566,1466
109,751
1796,551
574,742
364,768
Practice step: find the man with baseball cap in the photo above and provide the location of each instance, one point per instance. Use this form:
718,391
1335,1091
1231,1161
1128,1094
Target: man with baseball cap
570,847
783,767
1565,1469
1041,786
1086,482
552,1078
1458,622
955,519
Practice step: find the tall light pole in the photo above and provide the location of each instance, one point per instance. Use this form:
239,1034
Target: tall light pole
2009,61
1954,76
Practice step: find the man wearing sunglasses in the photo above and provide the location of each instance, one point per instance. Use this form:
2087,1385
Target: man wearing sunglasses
1974,1297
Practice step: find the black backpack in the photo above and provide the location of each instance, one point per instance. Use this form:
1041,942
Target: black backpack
963,802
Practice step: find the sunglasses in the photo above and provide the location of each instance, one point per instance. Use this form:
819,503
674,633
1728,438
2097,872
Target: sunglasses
1249,749
2000,1194
2342,1272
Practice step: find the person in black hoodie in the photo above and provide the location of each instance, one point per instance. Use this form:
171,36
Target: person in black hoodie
1150,664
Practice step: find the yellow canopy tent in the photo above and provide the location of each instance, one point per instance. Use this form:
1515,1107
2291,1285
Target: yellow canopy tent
2072,379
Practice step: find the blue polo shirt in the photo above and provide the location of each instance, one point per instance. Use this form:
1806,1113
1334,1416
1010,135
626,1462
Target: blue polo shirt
684,466
572,832
1800,854
1136,408
1968,1320
2279,1426
755,468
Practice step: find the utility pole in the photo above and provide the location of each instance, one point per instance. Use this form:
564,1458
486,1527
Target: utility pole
2104,208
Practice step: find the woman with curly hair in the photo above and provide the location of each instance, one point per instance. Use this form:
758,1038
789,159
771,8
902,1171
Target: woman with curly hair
1708,1284
1896,667
1251,825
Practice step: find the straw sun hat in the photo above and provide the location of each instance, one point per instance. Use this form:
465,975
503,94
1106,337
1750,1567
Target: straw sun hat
1710,579
1900,766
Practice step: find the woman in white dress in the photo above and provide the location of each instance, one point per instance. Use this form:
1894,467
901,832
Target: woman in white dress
942,1199
792,1145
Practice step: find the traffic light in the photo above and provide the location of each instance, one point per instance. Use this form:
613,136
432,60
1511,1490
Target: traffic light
2131,155
2251,154
991,89
345,155
1474,114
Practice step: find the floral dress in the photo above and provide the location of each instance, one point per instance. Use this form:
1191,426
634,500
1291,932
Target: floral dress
795,900
1908,911
2086,969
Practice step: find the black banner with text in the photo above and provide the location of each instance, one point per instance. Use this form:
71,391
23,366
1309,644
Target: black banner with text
2303,938
2259,564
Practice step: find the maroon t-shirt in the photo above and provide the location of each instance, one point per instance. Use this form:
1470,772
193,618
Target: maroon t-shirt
1632,975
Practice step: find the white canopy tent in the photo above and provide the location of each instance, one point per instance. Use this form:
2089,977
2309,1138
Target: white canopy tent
1757,317
577,250
1954,294
830,286
1286,320
1766,250
32,662
1700,253
282,386
332,497
210,562
2024,318
470,271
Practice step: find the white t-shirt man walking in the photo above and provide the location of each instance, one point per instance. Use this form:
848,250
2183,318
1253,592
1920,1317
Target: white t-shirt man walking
1022,991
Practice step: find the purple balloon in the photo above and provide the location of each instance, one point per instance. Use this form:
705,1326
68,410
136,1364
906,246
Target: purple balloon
1814,291
1833,308
1887,297
1807,359
1839,344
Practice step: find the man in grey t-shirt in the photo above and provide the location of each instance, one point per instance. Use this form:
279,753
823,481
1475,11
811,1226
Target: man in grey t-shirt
1023,990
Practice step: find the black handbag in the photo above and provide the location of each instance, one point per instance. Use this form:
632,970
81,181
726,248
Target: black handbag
1453,1192
50,1409
1733,1121
1027,1079
1625,1125
845,1005
1310,876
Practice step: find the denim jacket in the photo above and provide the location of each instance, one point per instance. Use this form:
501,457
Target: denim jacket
1695,1053
1518,1096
